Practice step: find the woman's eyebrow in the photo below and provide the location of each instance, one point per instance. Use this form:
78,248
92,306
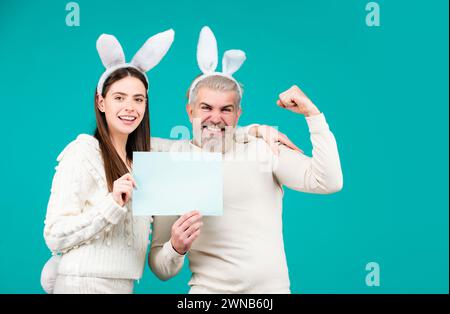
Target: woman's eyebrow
120,93
125,94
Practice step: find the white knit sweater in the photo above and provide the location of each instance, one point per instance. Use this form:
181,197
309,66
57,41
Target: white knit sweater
96,236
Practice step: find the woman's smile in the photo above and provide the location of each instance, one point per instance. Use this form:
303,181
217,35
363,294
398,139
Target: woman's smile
127,119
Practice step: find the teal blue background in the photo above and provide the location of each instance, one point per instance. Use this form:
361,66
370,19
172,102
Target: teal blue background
384,92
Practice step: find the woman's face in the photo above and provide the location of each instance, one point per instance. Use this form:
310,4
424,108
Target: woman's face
124,105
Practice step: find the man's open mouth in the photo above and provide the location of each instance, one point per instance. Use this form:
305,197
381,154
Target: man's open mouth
213,128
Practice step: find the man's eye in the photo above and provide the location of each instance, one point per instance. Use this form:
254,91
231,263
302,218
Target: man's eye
226,110
205,108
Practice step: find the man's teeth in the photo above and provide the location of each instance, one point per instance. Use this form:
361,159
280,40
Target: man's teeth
128,118
213,128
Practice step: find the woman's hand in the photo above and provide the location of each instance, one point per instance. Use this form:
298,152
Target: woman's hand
123,189
273,137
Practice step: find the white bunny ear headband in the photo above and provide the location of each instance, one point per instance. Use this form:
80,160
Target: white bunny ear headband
207,57
148,56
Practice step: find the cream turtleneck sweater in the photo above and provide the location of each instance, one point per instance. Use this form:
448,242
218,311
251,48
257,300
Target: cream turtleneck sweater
243,250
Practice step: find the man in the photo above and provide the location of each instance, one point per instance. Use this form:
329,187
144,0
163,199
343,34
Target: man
243,250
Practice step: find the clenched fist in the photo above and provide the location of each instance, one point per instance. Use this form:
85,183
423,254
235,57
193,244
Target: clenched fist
295,100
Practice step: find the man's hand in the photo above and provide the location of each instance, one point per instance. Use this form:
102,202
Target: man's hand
185,230
295,100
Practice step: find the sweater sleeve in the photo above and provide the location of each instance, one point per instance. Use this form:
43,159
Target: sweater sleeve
67,223
319,174
163,260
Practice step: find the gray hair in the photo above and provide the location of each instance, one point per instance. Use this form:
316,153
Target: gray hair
218,83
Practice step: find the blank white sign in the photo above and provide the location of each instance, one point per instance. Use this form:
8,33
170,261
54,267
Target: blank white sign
175,183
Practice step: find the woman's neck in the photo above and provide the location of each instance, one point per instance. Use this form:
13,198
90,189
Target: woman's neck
120,143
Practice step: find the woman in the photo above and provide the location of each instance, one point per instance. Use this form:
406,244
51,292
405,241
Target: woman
89,219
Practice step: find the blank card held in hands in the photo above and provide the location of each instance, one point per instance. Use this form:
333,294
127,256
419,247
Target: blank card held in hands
175,183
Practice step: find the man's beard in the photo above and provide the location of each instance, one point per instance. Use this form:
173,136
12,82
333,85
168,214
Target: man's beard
213,143
216,137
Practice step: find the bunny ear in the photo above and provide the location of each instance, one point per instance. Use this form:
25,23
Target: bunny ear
207,51
110,50
232,60
154,49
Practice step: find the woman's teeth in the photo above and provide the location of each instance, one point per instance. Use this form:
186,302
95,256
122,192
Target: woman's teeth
127,118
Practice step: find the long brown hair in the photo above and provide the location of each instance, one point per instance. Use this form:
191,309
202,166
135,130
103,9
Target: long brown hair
138,140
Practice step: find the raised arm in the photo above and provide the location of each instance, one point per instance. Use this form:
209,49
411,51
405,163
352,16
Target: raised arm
320,173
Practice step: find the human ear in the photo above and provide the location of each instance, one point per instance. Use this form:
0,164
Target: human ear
101,103
238,115
189,111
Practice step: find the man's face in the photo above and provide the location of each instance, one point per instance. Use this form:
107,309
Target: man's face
214,117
